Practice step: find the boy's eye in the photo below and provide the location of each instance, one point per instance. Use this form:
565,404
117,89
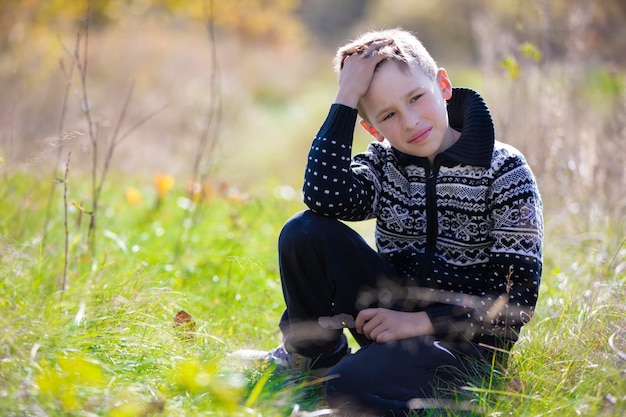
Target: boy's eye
388,116
415,98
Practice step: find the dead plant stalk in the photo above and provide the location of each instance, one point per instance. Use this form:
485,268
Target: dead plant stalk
67,232
209,134
97,183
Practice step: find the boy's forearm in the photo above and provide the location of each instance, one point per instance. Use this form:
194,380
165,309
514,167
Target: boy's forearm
331,151
347,98
339,124
327,176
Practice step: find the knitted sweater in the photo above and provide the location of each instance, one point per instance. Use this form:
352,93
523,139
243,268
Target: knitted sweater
465,233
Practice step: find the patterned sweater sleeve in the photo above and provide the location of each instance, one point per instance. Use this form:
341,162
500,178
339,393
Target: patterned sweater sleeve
508,298
334,185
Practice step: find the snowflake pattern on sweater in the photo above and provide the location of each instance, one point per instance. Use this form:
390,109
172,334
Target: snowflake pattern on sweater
466,232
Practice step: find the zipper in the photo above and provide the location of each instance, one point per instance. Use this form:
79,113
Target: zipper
432,225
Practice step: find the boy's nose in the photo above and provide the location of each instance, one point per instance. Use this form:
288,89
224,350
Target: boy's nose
410,120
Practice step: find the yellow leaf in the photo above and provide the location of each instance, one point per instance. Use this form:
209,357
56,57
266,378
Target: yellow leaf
58,385
84,372
530,50
510,65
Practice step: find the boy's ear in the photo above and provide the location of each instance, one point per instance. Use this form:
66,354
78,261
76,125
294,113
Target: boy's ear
444,83
372,130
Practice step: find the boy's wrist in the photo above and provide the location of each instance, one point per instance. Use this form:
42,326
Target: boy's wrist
347,99
425,325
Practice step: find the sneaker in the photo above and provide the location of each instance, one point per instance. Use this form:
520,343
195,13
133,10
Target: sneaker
278,356
286,362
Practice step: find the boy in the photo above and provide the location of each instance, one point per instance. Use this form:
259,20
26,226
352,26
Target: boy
459,234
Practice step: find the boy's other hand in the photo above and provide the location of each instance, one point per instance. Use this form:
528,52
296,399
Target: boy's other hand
383,325
357,73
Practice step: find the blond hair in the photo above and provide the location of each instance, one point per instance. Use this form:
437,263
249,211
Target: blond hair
405,48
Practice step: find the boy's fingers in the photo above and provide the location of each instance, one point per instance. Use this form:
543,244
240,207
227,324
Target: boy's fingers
368,51
363,317
375,46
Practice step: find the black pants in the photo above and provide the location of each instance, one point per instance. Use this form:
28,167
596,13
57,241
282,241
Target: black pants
327,268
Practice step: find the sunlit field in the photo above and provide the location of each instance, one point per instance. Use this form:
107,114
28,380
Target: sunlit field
127,278
109,343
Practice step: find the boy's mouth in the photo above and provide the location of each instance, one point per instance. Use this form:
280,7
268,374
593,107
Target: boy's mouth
420,136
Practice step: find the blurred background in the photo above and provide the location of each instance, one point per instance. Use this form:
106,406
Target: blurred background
253,79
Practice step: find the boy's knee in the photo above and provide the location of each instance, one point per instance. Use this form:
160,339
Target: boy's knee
305,224
293,230
346,391
343,379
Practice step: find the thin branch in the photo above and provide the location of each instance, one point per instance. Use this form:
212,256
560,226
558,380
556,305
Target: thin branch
73,55
208,137
67,234
113,144
216,97
117,138
81,63
82,69
122,116
69,74
68,85
139,123
82,66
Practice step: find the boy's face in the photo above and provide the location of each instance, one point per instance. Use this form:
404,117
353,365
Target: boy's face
409,109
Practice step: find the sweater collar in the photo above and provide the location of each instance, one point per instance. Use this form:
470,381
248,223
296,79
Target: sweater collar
468,113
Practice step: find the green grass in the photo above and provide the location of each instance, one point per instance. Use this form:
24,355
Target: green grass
107,345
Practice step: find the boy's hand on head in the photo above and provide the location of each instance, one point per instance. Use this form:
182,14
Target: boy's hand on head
383,325
357,73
